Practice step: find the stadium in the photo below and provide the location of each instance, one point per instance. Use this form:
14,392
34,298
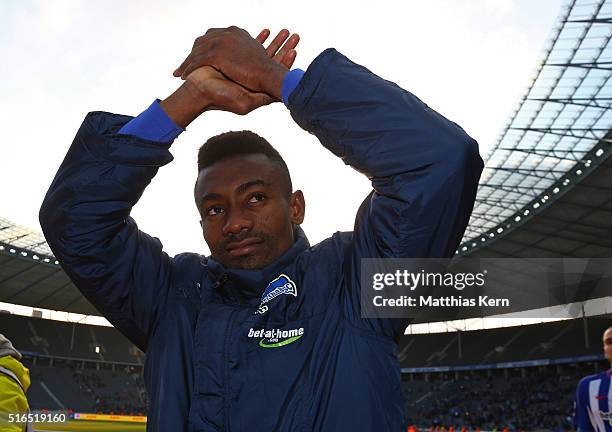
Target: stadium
546,192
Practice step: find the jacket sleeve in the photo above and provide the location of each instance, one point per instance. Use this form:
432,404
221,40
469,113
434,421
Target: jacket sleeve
85,217
424,168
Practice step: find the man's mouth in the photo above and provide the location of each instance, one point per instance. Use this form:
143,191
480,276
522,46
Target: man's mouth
244,247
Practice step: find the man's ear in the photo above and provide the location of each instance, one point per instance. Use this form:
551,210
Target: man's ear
298,207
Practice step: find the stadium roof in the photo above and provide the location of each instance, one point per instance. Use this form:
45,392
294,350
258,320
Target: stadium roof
553,136
549,174
23,238
572,218
30,275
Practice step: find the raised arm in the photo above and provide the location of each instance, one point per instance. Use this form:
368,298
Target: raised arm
85,219
85,215
424,168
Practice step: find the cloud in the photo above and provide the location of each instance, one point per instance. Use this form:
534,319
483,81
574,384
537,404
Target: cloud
470,60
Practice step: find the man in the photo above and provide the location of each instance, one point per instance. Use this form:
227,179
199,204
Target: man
266,333
14,382
592,410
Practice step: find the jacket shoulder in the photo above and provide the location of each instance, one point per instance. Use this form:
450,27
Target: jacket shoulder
188,269
330,251
189,265
583,384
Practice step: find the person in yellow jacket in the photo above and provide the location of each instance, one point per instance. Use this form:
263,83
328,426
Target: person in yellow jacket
14,382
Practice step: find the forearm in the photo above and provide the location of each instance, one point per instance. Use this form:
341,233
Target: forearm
164,121
85,219
185,105
372,124
424,168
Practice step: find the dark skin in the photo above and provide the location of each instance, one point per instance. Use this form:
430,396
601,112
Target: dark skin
240,58
607,344
207,86
248,214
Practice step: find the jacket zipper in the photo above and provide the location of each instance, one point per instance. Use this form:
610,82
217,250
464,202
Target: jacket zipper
219,284
226,394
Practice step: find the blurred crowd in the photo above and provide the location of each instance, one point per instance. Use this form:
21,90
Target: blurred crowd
537,398
125,394
543,399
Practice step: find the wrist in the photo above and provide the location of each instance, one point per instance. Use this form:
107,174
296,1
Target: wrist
273,82
185,104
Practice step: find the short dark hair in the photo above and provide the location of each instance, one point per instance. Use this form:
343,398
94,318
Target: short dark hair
236,143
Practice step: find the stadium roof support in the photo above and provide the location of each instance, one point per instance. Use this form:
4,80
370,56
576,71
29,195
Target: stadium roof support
554,150
559,129
24,242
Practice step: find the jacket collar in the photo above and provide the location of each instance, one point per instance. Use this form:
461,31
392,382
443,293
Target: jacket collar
252,283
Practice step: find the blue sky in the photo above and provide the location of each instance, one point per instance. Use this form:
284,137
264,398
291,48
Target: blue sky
470,60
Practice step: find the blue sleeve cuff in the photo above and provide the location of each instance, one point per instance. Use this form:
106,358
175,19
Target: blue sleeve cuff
152,124
290,82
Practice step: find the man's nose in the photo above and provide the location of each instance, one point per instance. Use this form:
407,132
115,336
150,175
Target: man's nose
236,222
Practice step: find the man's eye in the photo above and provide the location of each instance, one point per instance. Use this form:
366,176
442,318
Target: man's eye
258,197
214,211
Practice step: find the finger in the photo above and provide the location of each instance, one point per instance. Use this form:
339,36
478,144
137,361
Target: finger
257,100
197,45
277,42
289,58
199,59
195,61
290,44
262,36
179,70
212,30
242,101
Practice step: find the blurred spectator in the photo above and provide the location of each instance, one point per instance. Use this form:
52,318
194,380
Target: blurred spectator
541,400
14,382
130,399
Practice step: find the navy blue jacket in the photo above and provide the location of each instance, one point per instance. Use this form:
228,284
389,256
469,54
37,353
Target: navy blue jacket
283,348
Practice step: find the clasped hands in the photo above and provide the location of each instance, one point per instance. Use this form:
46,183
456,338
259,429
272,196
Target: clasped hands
234,72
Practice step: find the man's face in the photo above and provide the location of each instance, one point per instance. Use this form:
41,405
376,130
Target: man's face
607,344
247,213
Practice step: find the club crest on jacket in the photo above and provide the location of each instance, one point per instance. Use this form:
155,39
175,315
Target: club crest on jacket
279,286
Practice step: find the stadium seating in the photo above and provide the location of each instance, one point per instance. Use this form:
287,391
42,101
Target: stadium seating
61,339
543,341
68,373
520,399
71,387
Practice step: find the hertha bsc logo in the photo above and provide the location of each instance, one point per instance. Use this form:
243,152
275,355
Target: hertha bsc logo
280,285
